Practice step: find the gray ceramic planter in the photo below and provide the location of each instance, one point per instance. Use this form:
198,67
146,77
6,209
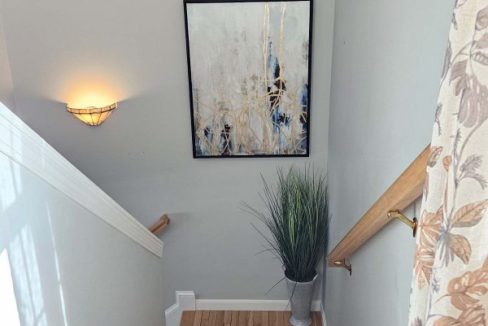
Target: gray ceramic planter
301,301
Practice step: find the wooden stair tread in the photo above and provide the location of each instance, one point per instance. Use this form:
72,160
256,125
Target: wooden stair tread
241,318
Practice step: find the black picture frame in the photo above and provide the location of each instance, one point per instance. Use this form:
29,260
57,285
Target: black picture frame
190,84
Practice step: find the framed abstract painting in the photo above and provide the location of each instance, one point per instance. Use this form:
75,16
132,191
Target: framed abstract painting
249,77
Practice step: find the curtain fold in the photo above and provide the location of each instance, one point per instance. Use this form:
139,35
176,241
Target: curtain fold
450,276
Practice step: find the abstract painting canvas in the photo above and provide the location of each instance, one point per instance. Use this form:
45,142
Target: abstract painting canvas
249,73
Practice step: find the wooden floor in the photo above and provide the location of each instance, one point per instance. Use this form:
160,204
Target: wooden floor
241,318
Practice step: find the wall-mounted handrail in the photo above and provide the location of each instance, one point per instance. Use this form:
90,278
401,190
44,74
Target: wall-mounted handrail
160,225
403,192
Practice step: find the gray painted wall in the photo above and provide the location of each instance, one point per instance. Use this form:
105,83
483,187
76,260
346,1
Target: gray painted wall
6,85
387,62
68,266
142,155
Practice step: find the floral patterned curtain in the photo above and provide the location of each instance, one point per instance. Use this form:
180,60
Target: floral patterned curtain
450,283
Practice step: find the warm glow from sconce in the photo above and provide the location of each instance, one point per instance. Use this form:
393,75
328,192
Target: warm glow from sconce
92,102
93,116
85,99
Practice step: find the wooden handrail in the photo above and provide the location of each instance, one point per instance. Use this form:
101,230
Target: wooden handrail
403,192
160,225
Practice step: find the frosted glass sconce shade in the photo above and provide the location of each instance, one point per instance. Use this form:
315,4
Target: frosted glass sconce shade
93,116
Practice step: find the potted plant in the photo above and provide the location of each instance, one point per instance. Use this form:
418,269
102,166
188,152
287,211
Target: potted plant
297,217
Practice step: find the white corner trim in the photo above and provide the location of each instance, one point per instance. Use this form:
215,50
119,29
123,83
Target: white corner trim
251,305
185,300
22,145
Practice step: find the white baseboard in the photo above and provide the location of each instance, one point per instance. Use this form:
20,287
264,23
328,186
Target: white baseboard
185,300
248,305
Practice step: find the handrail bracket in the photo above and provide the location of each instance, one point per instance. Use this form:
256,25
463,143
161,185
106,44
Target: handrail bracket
399,216
160,225
342,263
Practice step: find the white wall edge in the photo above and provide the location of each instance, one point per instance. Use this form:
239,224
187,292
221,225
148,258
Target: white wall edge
25,147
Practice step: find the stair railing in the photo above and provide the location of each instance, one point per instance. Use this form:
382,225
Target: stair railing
402,193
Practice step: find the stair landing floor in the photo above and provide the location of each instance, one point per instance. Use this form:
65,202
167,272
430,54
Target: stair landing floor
241,318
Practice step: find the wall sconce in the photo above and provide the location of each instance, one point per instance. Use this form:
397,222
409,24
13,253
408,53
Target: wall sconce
93,116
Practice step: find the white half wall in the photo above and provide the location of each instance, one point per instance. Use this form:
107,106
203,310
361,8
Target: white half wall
68,265
23,146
